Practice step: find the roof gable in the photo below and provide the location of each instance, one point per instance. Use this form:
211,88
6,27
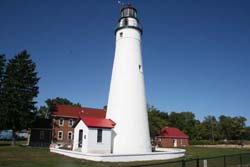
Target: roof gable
172,132
98,122
75,111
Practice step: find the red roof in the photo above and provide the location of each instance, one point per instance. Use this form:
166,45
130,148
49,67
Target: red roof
172,133
98,122
75,111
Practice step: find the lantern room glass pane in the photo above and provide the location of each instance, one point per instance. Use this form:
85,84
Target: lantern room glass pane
128,12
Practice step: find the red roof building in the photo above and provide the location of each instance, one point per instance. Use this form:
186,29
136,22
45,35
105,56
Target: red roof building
65,116
93,135
172,137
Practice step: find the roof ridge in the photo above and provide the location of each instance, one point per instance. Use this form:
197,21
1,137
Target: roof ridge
68,105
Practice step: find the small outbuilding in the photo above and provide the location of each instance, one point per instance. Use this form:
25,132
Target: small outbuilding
93,135
41,133
172,137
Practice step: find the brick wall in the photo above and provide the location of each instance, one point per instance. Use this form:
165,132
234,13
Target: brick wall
63,125
169,142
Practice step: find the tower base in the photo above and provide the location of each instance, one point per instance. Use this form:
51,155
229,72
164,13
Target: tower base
159,154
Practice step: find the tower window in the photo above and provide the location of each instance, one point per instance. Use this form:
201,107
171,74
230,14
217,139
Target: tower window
121,34
140,68
126,22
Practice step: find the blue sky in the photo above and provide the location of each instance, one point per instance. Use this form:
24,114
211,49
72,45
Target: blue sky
196,53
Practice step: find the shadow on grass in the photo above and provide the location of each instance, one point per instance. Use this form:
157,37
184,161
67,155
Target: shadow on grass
8,142
5,144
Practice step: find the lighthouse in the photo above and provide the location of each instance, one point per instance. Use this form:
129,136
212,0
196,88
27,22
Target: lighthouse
127,104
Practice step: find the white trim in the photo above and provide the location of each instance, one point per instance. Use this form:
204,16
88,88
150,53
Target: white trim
61,135
60,122
71,135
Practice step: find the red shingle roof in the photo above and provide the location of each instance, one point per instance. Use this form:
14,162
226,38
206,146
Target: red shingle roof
172,133
98,122
75,111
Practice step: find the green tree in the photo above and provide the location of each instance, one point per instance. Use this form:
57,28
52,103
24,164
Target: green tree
232,128
246,135
211,130
185,121
19,90
2,72
157,120
2,68
61,101
45,111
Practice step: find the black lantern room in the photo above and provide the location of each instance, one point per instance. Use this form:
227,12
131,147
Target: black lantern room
128,19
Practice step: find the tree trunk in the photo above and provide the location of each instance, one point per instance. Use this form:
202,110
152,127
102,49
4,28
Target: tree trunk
13,142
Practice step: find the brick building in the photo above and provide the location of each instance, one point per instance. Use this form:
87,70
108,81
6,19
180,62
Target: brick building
63,119
172,137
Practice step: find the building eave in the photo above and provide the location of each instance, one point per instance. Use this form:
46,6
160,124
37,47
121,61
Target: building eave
65,116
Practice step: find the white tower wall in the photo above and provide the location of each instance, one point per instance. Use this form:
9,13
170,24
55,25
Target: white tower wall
127,104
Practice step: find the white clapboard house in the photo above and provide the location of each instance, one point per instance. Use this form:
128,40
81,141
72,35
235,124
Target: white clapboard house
93,135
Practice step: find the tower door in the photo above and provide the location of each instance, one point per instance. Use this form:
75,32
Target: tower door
80,138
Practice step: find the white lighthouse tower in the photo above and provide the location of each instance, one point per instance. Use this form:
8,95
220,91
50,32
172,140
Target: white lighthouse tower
127,104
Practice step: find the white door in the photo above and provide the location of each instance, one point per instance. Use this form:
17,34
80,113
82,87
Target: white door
175,142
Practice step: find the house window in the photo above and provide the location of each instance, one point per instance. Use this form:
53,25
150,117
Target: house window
60,135
70,135
99,135
61,122
41,135
71,122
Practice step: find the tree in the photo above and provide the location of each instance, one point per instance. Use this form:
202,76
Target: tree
246,134
45,111
59,100
19,90
211,130
232,128
2,68
185,121
2,71
157,120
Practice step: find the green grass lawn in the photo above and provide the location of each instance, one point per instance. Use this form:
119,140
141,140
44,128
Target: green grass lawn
20,156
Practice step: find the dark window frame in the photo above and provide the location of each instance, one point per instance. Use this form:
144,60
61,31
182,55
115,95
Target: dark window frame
99,135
